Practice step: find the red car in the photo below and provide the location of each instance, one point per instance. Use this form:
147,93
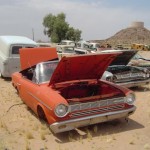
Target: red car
69,93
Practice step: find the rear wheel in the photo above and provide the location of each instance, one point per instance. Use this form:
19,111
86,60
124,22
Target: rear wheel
1,76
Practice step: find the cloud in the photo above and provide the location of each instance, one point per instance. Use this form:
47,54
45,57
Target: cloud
96,18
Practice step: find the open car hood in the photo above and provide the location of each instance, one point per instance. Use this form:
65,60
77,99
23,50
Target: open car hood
31,56
81,67
124,57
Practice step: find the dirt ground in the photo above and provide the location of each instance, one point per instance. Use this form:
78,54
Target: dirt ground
20,129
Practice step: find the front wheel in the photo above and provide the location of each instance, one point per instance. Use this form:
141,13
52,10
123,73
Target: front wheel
41,113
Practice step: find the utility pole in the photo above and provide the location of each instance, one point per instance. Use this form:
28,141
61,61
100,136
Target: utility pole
33,34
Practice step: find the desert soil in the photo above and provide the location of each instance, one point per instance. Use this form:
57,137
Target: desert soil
20,129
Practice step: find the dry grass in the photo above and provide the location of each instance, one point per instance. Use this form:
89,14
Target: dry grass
131,142
147,146
29,135
27,145
89,134
2,146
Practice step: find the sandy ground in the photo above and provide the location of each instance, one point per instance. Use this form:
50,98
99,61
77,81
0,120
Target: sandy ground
20,129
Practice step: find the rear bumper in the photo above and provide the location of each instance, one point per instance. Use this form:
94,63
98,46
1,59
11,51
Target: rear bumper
62,126
134,83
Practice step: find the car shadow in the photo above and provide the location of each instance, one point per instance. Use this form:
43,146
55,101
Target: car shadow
141,88
6,79
101,129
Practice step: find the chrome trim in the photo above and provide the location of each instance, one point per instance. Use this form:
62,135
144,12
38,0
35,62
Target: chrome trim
129,75
96,104
98,110
71,124
40,101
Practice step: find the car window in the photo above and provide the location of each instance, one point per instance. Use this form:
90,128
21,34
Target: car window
69,50
15,49
44,71
29,47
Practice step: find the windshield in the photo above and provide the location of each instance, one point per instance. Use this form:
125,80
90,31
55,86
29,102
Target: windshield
44,71
66,49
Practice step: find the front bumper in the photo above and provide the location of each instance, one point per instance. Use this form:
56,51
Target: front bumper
62,126
134,83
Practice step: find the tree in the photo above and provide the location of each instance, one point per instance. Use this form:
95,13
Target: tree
73,34
58,29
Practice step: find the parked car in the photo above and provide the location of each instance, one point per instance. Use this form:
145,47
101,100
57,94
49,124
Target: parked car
72,96
41,44
68,50
9,53
67,42
83,47
65,50
120,73
140,61
94,46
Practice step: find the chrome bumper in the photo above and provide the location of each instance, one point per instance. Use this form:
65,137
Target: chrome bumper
62,126
134,83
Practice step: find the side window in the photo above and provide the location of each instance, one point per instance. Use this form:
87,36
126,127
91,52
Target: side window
29,47
15,49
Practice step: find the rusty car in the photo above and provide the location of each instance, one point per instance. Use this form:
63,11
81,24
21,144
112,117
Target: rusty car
69,93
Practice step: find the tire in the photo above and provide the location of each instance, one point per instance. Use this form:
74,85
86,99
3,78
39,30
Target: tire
41,113
1,76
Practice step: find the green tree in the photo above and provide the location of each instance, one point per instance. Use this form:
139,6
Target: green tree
73,34
58,29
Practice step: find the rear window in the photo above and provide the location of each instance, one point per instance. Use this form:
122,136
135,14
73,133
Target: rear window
15,49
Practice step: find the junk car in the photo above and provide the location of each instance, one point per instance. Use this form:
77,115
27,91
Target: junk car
140,61
121,73
69,94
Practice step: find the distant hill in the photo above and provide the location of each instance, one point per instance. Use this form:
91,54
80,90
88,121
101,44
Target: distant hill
134,34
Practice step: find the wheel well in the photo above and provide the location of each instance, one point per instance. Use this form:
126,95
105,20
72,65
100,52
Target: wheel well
41,113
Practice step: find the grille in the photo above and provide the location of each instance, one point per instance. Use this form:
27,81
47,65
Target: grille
100,106
129,75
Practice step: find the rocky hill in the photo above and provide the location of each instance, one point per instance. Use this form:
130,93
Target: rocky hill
133,34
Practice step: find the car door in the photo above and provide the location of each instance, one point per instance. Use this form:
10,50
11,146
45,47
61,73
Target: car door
14,59
28,91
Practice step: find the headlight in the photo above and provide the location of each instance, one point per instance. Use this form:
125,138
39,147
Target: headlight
61,110
114,78
109,79
147,75
130,98
144,75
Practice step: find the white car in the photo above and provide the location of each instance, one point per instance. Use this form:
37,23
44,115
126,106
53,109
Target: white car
9,53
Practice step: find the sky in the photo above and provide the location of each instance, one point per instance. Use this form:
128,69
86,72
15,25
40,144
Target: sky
97,19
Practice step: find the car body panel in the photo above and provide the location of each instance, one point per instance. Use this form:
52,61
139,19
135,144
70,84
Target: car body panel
30,57
123,58
79,67
140,61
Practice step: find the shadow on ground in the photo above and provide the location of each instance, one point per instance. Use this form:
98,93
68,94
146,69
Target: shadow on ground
141,89
102,129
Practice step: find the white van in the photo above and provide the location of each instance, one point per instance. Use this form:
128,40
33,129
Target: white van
9,53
